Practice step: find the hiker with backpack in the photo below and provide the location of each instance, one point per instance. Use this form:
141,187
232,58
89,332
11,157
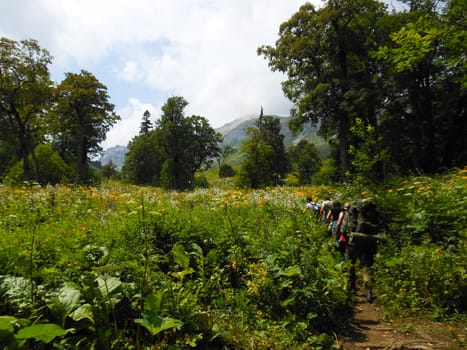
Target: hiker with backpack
343,228
362,246
325,208
333,216
313,207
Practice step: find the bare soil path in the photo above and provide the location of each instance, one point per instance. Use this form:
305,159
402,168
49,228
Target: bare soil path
368,332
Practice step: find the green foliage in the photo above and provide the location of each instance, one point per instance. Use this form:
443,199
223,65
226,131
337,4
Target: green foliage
305,160
123,267
51,168
82,117
427,279
266,162
367,157
327,174
143,160
174,269
226,170
402,73
25,98
109,170
420,267
151,320
325,54
171,153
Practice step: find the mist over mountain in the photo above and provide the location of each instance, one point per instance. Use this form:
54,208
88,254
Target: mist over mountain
234,134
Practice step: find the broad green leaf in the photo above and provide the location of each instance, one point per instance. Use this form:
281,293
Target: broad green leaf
197,250
6,328
107,285
181,274
6,323
43,332
291,271
154,301
180,256
156,324
69,297
83,312
7,332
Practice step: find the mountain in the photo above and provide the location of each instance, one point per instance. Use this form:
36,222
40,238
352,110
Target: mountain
234,135
234,132
115,154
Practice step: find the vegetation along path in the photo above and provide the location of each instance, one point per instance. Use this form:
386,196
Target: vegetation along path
368,331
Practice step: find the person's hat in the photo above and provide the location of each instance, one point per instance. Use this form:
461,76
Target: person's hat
347,205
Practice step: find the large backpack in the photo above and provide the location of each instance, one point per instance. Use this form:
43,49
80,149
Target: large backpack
363,217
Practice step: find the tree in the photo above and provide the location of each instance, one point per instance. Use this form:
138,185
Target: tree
144,159
84,116
188,142
424,120
25,97
109,170
305,160
266,161
171,153
225,170
146,124
330,74
52,169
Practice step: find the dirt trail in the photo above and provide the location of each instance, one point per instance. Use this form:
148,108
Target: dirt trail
368,332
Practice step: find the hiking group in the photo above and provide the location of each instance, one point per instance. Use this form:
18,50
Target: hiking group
354,228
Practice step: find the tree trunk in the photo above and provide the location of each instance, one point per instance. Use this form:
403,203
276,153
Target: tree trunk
81,159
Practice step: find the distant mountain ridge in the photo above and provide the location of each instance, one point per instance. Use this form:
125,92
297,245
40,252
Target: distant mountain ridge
234,134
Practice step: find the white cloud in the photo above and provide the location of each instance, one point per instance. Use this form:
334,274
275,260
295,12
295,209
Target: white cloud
149,50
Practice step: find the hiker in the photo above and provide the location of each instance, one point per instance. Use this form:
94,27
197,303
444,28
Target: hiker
343,228
325,207
333,216
362,246
313,207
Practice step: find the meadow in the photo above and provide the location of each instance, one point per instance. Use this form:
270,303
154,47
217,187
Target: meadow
126,267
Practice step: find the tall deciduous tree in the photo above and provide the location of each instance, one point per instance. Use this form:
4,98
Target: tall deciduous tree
25,97
189,142
84,116
305,160
325,55
266,161
425,117
171,153
144,159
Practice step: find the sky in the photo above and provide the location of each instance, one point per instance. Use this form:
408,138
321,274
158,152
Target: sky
146,51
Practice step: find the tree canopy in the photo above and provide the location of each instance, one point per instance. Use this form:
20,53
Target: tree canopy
25,97
84,116
401,73
171,153
266,162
